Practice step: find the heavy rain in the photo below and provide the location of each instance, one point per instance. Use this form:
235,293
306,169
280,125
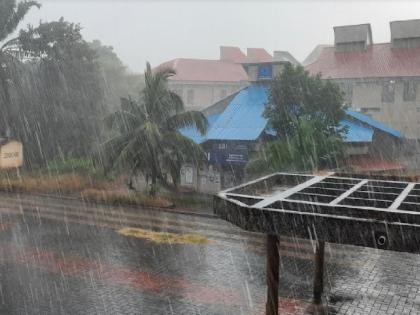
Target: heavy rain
209,158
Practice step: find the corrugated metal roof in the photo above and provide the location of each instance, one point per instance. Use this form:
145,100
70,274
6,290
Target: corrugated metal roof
356,132
243,118
194,134
374,123
379,60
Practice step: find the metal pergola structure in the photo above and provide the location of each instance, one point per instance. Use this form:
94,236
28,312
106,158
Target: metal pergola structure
368,212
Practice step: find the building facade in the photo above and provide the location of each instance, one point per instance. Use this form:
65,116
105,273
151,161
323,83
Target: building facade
238,129
380,80
202,83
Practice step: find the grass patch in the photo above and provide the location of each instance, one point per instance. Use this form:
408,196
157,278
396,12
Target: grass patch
120,198
192,201
165,237
45,184
71,165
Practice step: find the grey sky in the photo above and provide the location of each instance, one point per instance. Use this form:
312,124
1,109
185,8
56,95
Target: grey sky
161,30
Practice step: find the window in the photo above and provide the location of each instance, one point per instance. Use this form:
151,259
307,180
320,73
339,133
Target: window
222,146
388,92
410,91
190,97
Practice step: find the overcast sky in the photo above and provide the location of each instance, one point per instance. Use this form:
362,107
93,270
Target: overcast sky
158,30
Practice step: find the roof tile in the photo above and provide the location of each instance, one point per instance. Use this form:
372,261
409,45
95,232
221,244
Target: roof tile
379,60
205,70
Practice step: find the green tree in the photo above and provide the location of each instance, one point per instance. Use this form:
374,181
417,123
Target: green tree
115,75
61,93
305,111
12,13
146,138
302,151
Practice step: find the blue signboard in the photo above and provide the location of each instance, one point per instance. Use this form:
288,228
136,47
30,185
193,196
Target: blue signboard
223,154
265,71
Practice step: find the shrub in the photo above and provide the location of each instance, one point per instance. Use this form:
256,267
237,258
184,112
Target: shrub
71,165
121,198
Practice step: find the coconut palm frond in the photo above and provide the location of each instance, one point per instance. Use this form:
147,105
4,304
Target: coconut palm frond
149,138
11,15
187,119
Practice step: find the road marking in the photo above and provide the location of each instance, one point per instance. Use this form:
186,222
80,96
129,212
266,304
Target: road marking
164,237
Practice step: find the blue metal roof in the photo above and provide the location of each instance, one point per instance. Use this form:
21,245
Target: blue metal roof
243,118
194,134
374,123
356,132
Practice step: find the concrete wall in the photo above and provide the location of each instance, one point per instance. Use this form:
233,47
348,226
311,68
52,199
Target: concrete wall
206,179
199,95
401,114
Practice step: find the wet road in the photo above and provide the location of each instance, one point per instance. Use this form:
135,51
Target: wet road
67,257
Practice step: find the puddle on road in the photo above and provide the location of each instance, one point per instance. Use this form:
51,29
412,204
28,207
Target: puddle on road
165,237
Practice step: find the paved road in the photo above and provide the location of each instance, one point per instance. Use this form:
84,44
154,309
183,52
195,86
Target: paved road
67,257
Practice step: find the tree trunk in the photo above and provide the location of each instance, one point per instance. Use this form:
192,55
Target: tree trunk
6,99
153,187
175,179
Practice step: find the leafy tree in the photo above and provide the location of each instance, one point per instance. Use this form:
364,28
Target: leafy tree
305,111
116,76
295,95
12,13
146,138
303,151
61,93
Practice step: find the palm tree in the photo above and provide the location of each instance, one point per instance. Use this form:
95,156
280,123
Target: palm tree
146,137
11,14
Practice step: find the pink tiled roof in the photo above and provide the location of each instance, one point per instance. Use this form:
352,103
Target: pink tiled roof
229,53
371,164
258,55
379,60
206,70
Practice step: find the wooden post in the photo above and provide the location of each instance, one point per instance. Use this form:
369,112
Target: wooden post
273,264
319,273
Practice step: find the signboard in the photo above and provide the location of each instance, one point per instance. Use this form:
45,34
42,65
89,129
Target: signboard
11,154
224,153
265,72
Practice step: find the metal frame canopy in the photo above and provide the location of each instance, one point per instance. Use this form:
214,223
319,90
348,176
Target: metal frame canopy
369,212
365,212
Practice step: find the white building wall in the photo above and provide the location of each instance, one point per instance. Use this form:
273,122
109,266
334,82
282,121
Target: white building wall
204,94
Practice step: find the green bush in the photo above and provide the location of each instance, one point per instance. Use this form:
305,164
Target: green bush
71,165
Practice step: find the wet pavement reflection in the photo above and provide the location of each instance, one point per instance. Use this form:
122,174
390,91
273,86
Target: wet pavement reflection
51,266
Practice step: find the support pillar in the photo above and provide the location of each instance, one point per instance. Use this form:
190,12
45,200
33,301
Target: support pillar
273,265
319,273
